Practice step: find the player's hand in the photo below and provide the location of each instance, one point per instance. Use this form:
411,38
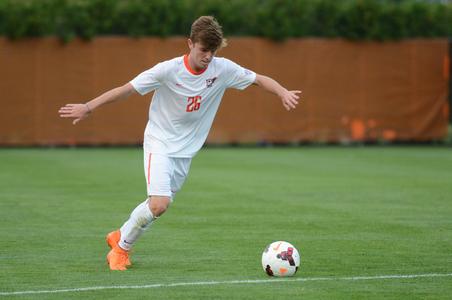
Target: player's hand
76,111
290,99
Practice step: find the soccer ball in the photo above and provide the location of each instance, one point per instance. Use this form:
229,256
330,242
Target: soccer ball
280,259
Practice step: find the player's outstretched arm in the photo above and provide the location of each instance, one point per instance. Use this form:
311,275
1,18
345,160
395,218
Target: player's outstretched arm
289,98
82,110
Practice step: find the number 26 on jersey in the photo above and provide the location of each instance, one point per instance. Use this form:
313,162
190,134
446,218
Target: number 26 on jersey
193,103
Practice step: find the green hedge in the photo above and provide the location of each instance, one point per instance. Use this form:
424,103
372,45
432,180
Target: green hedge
275,19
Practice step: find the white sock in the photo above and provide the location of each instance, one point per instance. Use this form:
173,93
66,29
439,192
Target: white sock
140,219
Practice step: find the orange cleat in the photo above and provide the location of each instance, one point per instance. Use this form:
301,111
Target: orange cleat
112,242
117,259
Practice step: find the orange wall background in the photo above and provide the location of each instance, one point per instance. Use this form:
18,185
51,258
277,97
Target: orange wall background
352,91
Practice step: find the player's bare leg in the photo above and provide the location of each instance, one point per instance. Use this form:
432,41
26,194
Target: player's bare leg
158,205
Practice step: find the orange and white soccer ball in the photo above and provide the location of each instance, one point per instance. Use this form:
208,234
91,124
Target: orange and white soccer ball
280,259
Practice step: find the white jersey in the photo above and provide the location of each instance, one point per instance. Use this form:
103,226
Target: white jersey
185,102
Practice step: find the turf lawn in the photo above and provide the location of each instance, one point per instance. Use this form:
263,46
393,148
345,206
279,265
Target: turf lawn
350,211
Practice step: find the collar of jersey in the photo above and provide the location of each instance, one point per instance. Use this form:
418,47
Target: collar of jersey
189,69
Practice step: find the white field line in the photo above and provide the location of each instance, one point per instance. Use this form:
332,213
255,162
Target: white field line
201,283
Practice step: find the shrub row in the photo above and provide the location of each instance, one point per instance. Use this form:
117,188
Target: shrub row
275,19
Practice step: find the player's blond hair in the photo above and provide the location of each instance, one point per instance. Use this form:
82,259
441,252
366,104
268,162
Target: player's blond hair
207,31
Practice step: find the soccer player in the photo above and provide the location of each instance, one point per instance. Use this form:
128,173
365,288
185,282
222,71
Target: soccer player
188,90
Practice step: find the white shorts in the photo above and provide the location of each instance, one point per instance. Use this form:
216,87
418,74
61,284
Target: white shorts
165,175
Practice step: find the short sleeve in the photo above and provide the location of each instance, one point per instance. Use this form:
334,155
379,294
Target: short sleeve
238,77
150,79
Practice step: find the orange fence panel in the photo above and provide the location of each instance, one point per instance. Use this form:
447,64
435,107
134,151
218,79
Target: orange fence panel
352,91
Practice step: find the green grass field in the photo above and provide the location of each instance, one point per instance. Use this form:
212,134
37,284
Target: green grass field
352,212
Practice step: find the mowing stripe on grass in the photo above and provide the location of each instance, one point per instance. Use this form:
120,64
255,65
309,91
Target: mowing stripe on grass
198,283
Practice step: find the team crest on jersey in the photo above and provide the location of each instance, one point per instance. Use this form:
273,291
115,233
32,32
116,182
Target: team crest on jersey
209,82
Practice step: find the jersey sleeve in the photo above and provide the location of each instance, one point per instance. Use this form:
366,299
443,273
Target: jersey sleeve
238,77
150,79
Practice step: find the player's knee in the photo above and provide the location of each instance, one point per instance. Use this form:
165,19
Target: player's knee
158,205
